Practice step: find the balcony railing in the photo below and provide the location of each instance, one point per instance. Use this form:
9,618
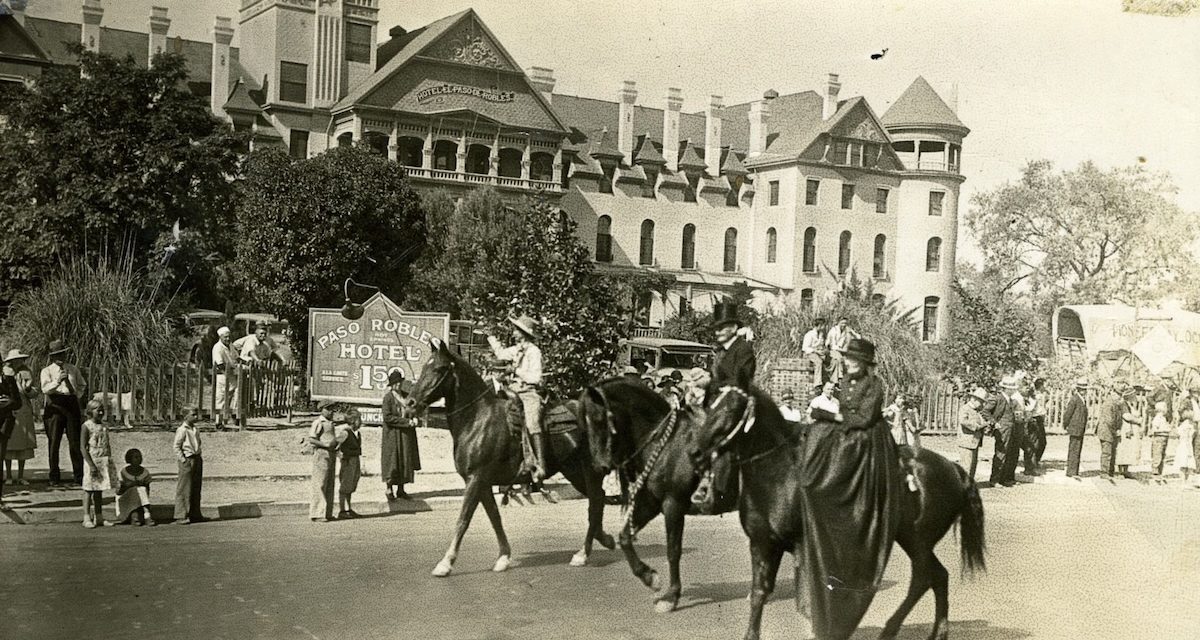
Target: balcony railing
442,175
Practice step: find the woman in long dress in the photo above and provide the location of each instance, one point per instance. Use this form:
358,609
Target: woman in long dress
1129,449
23,441
400,458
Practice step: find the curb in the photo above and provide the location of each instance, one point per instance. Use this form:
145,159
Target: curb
163,513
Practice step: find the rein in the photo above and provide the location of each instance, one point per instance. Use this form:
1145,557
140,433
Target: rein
667,425
744,424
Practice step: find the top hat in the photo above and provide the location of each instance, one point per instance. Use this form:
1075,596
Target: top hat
15,354
860,349
725,313
57,347
527,325
395,376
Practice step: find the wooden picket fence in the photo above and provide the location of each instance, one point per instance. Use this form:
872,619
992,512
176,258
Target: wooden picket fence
161,393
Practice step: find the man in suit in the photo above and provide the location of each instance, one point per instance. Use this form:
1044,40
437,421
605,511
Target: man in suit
1108,429
1075,419
1006,412
735,362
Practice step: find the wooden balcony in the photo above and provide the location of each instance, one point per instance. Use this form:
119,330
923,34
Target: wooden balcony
481,179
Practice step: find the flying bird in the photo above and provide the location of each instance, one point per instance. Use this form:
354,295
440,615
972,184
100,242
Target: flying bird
876,56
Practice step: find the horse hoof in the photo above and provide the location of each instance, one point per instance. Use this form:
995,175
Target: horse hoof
442,569
606,541
579,559
664,606
502,564
655,581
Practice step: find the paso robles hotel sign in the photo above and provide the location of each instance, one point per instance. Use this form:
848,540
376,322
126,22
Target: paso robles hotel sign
350,360
429,93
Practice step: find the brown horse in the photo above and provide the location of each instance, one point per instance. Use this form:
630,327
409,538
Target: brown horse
486,453
631,428
768,453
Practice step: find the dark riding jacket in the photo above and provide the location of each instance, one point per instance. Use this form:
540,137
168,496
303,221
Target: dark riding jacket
737,360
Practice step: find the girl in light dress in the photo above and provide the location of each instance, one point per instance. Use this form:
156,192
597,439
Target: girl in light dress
99,470
1185,459
906,423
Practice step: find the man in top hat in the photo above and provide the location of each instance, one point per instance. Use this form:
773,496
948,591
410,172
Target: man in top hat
223,362
525,381
735,362
971,427
1006,414
1075,418
837,341
65,389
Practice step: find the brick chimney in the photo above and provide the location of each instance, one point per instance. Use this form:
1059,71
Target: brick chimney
760,111
542,79
219,94
626,98
670,134
832,87
89,33
159,25
712,135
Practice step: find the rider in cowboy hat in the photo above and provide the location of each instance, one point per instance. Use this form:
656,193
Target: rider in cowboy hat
526,379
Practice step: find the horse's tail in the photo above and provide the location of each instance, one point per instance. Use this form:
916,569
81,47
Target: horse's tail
971,538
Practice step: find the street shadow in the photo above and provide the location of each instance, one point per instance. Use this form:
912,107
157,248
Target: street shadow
601,557
721,592
959,630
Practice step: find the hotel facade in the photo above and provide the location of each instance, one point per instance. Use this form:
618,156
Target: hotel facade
786,193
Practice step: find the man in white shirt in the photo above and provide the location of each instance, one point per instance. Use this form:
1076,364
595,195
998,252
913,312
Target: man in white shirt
223,362
837,341
815,350
190,478
257,347
65,389
525,380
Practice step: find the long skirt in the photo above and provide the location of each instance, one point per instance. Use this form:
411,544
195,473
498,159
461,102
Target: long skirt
400,458
23,440
133,499
1129,451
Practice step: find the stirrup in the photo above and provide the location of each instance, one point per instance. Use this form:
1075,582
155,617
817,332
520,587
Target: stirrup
702,496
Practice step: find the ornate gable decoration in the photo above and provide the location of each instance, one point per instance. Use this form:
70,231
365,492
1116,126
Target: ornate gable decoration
468,44
866,130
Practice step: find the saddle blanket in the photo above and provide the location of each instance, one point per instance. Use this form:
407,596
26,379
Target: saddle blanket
556,419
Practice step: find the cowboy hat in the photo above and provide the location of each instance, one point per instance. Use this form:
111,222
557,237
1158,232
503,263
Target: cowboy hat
725,313
1008,382
15,354
860,349
527,325
57,347
979,393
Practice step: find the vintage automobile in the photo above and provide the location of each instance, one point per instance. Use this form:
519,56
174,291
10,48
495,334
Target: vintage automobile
200,331
662,353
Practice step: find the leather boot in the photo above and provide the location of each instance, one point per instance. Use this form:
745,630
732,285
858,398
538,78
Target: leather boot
538,442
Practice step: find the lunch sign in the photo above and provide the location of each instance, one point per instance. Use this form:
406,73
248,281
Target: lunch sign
350,360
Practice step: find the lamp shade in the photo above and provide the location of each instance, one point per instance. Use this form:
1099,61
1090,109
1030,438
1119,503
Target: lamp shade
352,311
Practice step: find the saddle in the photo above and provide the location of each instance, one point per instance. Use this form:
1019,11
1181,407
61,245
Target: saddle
557,418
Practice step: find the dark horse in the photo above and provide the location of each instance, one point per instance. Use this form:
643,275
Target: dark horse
768,453
630,428
486,453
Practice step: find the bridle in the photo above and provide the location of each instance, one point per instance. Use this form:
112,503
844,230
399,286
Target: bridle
452,370
742,426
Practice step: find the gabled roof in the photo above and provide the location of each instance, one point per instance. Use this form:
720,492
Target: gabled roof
17,44
690,159
647,152
241,100
921,106
603,144
732,164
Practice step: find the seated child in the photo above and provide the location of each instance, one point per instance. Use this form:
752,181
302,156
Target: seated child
133,494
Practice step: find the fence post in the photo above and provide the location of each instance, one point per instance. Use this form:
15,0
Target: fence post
171,406
241,395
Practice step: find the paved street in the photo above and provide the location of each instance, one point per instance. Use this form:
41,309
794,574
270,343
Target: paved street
1086,561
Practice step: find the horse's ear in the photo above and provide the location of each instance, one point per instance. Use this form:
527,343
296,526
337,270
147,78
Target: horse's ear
437,345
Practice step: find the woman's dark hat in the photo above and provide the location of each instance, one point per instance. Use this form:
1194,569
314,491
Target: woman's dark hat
395,376
725,313
861,349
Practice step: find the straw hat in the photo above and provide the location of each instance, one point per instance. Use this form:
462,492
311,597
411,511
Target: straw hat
57,347
15,354
527,325
1082,383
980,393
1008,382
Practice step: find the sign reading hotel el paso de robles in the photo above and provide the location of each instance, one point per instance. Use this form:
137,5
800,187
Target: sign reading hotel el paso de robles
349,360
446,89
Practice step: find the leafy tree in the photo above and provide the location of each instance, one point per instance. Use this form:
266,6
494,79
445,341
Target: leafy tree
693,325
104,162
1087,235
491,260
305,225
991,335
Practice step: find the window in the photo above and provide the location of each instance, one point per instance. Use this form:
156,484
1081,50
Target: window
685,306
879,264
689,194
345,140
604,239
445,155
293,82
646,251
810,191
881,196
377,143
844,253
298,144
806,299
847,196
936,199
648,189
411,152
645,300
841,150
688,259
358,42
730,249
774,186
479,159
930,324
933,255
510,161
733,198
810,250
772,241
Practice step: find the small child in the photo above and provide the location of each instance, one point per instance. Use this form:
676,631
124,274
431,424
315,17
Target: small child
1160,431
190,481
99,470
906,424
350,451
133,495
1185,457
825,401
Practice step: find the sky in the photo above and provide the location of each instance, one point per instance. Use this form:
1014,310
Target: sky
1064,80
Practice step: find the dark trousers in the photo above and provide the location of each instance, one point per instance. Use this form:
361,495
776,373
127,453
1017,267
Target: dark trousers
6,428
1004,458
1074,449
1035,443
1158,453
61,417
1108,455
187,488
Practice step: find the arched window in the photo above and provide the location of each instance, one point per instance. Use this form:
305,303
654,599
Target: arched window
810,250
730,249
929,328
688,259
445,155
377,143
646,252
933,255
806,299
844,253
411,152
541,166
510,163
879,264
772,241
346,139
604,239
479,158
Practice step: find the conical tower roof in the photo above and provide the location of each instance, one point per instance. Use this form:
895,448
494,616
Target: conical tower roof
921,106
